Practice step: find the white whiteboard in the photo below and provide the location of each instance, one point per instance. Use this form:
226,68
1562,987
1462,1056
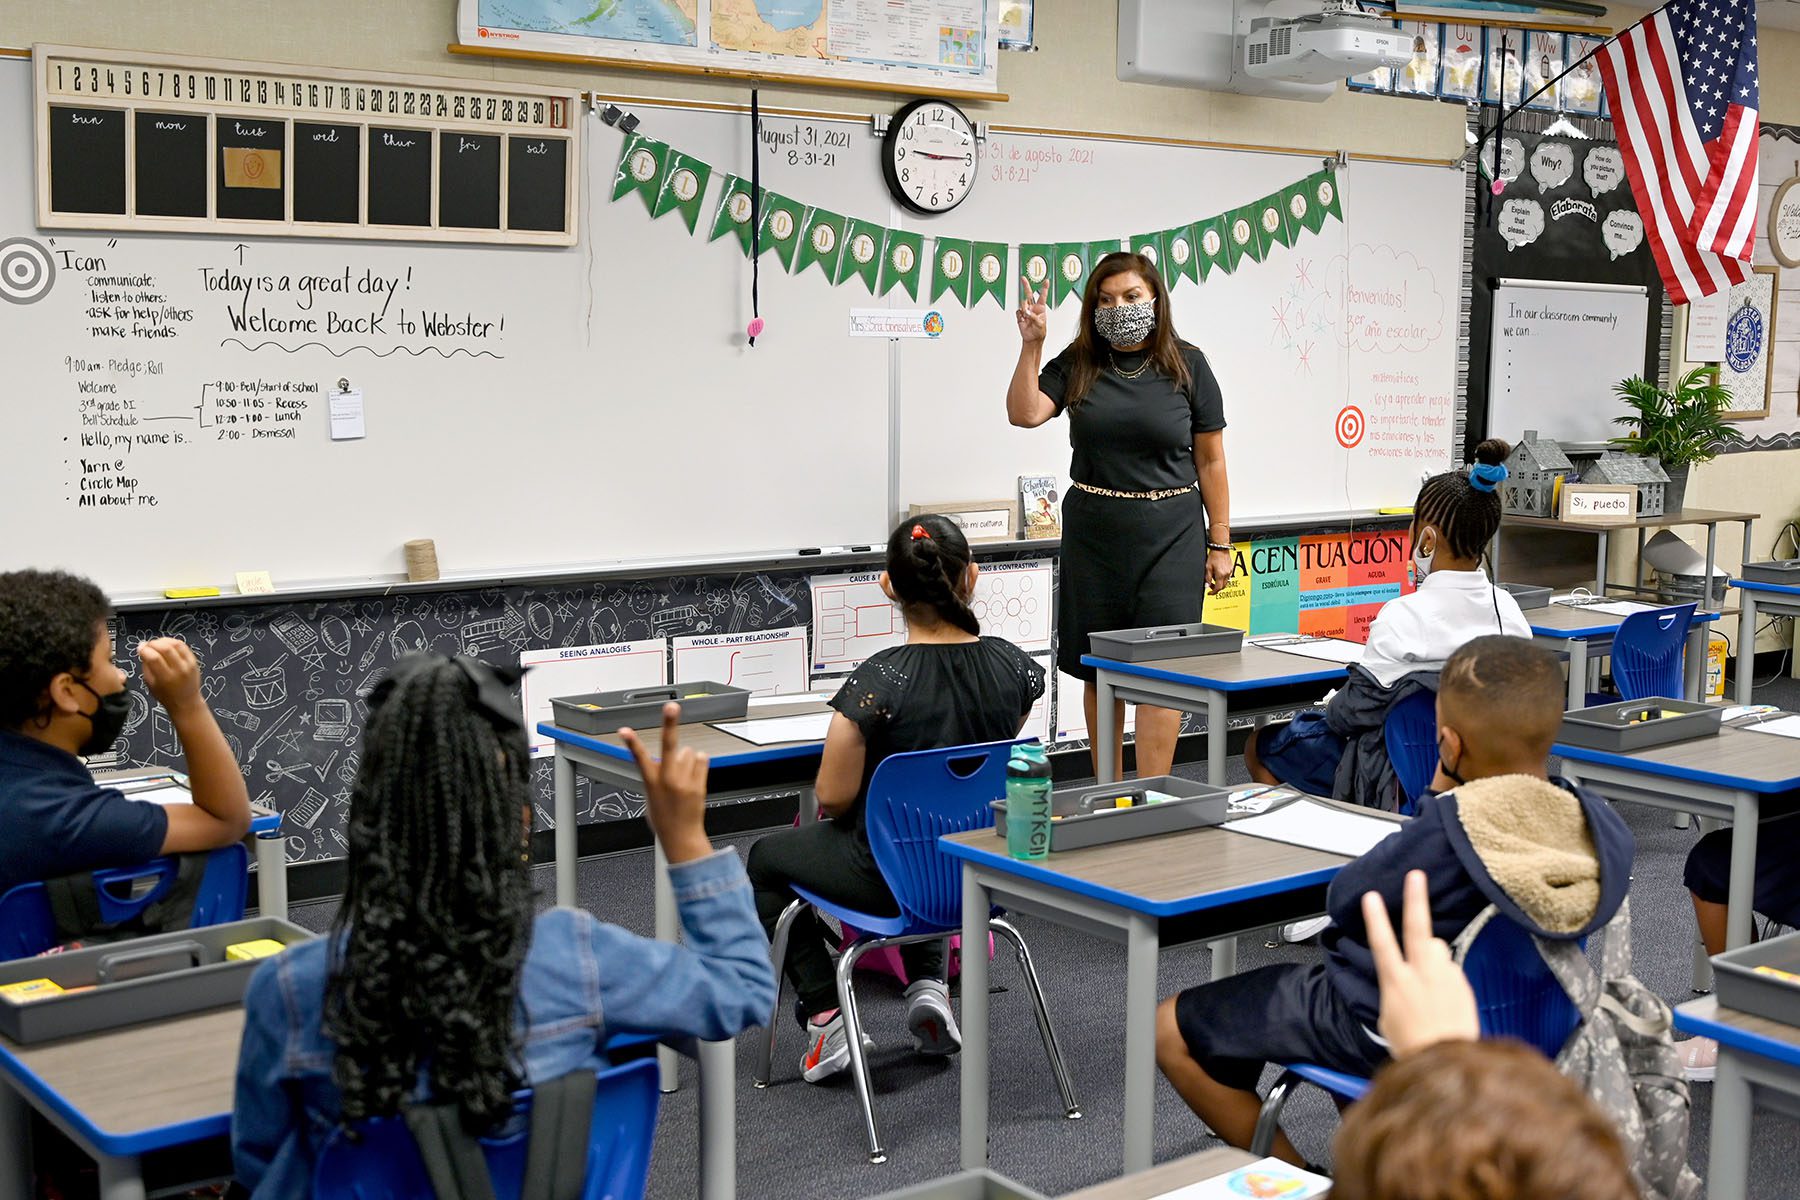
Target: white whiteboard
1556,351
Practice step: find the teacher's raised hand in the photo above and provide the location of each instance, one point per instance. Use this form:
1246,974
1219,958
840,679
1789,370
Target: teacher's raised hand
1033,313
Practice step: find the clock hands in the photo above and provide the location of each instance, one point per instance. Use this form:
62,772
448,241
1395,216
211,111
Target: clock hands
942,157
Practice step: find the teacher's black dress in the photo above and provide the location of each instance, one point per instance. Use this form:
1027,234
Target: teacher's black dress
1128,562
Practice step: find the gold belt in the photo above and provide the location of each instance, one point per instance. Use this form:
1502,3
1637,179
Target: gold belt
1159,494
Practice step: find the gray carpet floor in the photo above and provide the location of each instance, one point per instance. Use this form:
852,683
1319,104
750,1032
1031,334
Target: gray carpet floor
804,1142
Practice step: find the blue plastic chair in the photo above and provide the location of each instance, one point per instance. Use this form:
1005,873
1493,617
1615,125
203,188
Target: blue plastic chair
380,1161
1646,654
27,927
1515,994
914,799
1410,732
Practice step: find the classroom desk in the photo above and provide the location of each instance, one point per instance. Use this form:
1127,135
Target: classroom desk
1205,884
1579,632
1206,684
1711,518
121,1094
1723,778
1176,1173
1770,598
265,829
1759,1062
738,770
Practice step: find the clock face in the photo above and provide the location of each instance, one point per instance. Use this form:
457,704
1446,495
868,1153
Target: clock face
930,156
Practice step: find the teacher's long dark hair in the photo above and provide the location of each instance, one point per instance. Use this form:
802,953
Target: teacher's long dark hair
437,912
1091,354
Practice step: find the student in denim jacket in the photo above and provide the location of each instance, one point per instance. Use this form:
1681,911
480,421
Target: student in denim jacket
436,981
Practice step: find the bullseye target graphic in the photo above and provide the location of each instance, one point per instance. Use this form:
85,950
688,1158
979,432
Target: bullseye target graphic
26,271
1349,426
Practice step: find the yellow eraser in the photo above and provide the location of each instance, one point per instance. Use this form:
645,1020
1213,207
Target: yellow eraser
589,707
1399,510
30,989
1765,969
696,695
260,948
189,593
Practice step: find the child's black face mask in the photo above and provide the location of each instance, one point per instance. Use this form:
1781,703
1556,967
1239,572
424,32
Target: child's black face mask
1450,769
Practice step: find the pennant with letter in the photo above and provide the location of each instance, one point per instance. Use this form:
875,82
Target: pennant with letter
1153,247
1243,236
950,269
1325,192
822,242
1182,253
1272,223
780,227
862,252
1071,271
1300,210
640,169
1037,263
988,276
683,187
902,259
733,213
1209,244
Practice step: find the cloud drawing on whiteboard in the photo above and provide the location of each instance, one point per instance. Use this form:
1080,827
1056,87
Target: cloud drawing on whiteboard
1384,300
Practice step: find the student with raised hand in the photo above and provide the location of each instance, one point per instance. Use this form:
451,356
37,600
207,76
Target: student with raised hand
1555,858
436,983
1339,751
946,686
63,696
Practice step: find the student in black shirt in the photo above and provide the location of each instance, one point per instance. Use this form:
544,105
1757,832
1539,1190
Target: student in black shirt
947,686
1147,522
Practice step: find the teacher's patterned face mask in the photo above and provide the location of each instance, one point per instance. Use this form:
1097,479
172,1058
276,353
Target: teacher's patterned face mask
1126,324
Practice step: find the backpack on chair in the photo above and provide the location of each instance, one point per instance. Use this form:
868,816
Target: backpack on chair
1623,1056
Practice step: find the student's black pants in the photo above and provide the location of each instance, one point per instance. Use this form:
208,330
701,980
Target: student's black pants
835,862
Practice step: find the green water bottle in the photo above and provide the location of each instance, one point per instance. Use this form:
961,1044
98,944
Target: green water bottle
1028,802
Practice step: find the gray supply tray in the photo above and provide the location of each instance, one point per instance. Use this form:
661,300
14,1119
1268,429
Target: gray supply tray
1615,726
1528,595
1151,642
642,707
1196,805
215,982
1739,985
966,1185
1784,572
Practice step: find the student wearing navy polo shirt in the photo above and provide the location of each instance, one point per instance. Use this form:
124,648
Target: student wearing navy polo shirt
61,695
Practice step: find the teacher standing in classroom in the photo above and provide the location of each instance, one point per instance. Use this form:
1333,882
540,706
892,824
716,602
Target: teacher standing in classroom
1147,524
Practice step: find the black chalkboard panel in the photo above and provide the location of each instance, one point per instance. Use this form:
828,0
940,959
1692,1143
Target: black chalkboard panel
468,180
249,166
399,176
327,172
537,180
87,160
171,164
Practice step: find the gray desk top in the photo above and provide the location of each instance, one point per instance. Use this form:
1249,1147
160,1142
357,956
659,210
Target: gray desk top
1177,1173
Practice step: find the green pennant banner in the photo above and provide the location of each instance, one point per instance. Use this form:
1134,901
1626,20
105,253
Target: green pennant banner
640,169
1099,250
1325,193
682,189
780,230
1209,247
1181,253
902,259
1071,271
862,252
1243,236
950,269
822,242
1272,223
989,274
1300,211
733,213
1037,264
1153,247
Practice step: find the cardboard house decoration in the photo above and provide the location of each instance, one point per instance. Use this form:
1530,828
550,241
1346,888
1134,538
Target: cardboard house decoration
1646,473
1532,469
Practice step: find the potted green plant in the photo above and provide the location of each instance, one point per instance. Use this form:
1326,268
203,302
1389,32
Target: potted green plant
1679,428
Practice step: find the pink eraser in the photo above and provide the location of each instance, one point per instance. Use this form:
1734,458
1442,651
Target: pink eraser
755,328
1499,186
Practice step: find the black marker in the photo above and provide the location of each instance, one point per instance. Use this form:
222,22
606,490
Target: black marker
805,552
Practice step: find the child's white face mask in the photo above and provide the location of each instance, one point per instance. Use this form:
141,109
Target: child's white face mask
1421,559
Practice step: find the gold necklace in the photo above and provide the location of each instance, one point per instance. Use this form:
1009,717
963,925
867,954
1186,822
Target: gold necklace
1124,374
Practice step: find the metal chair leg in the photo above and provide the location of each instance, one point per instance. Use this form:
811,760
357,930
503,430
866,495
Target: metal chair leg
859,1065
1268,1121
778,956
1052,1048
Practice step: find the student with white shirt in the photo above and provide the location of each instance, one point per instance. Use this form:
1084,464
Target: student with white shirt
1339,751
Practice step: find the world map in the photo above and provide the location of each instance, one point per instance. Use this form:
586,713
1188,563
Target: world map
664,22
792,27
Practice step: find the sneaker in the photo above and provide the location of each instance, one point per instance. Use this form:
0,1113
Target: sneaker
1699,1059
829,1053
1300,931
929,1018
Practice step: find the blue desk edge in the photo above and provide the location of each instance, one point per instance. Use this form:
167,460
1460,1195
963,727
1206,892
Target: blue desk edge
754,754
1737,1039
138,1142
1627,761
1000,861
1149,670
1757,585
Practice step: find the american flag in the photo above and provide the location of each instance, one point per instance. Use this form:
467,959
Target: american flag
1682,85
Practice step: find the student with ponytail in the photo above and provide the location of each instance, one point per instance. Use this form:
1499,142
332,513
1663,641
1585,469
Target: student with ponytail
946,686
1339,751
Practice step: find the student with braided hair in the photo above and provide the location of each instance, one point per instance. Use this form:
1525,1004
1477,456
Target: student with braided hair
946,686
436,983
1339,751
